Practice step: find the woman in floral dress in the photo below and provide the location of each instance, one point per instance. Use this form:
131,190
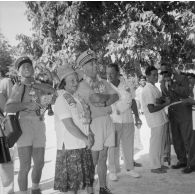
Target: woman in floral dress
74,164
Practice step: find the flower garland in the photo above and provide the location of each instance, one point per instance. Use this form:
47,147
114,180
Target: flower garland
83,113
97,86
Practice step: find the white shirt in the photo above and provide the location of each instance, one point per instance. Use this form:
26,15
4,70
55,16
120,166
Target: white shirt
63,110
121,110
138,93
149,95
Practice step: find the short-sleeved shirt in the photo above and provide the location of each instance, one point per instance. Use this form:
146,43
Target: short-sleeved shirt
149,95
65,110
123,105
85,92
17,91
138,93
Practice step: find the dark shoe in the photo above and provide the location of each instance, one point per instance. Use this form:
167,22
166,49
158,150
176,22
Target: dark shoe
168,160
188,170
164,167
137,164
105,190
179,165
159,170
36,191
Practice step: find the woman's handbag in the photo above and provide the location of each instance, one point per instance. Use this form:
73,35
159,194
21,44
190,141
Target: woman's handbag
12,126
4,148
14,129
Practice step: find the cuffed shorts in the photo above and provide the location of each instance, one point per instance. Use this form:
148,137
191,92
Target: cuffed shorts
103,129
33,132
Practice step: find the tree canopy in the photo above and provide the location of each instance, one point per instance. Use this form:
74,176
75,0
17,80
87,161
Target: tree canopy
132,34
6,59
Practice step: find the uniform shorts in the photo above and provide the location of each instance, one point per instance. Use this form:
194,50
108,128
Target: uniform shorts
33,132
104,132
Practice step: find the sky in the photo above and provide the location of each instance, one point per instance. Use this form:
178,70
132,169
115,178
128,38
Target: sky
13,20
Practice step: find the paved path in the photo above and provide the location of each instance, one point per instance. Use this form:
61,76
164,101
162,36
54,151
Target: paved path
172,182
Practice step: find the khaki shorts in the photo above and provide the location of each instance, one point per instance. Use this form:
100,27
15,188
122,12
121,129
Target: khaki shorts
103,129
33,132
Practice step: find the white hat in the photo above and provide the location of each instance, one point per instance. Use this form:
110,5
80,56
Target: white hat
64,71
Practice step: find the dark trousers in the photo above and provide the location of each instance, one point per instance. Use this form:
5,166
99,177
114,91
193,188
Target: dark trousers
191,156
181,135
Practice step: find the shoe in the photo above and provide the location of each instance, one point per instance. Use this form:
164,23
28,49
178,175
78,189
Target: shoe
113,177
104,190
179,165
137,164
159,170
36,191
164,167
188,170
133,173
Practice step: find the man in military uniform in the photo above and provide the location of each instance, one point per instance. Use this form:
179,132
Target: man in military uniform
176,87
99,95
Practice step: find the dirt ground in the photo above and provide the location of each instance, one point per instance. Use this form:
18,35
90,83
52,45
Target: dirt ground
173,182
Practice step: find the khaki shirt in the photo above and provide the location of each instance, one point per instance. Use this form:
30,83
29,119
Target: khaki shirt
16,97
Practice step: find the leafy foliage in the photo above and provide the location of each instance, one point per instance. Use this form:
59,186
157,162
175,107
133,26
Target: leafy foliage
6,59
133,34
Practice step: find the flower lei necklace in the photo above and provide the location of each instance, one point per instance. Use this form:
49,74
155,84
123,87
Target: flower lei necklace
97,86
84,113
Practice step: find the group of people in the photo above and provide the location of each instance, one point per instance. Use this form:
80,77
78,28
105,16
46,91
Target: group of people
93,117
168,111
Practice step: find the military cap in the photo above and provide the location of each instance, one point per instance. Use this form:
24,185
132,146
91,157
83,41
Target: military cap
85,57
21,61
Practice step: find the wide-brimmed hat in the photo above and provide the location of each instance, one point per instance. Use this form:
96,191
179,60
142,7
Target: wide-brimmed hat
22,60
63,72
85,57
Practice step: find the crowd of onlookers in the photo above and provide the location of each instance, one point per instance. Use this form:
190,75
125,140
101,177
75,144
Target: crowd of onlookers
93,118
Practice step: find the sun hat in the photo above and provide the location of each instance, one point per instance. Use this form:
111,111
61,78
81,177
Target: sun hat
63,72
